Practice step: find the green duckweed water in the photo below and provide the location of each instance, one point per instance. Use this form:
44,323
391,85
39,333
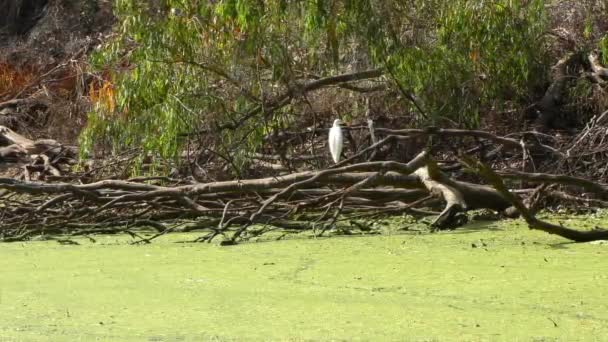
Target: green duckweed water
485,282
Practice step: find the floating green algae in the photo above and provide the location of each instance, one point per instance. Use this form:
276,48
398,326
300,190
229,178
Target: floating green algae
483,282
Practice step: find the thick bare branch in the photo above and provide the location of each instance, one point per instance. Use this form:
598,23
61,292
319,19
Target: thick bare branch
533,222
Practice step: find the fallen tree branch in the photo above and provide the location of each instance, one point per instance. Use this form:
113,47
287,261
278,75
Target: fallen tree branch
533,223
510,143
282,100
595,187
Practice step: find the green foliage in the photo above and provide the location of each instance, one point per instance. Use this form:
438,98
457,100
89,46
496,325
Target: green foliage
183,66
192,68
479,55
603,45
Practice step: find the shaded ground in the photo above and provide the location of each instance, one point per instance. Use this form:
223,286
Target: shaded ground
505,283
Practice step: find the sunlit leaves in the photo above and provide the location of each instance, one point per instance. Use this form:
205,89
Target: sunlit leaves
479,55
180,66
603,45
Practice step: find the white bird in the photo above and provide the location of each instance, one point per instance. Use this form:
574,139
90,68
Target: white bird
336,141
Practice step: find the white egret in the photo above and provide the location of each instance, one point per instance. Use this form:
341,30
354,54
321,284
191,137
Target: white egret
336,141
372,132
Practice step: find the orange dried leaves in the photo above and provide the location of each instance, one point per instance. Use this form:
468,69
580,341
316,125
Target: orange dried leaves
13,80
102,95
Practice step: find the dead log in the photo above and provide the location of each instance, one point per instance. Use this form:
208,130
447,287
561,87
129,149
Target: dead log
533,222
459,196
45,155
598,74
547,178
10,137
590,202
236,205
454,199
13,155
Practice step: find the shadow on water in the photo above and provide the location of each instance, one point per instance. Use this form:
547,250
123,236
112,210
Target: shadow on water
388,228
413,230
562,245
475,227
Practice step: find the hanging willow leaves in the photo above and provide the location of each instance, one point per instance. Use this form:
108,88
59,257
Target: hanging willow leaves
189,66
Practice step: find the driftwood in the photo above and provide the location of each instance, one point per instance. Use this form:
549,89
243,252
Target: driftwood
44,156
131,204
598,73
12,156
533,222
241,209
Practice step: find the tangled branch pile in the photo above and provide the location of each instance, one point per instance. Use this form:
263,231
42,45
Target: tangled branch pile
319,200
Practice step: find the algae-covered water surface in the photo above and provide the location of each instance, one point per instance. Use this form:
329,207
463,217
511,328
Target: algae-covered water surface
487,281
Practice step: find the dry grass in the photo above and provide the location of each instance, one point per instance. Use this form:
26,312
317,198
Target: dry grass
13,79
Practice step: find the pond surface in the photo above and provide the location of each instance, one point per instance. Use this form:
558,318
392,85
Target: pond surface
488,281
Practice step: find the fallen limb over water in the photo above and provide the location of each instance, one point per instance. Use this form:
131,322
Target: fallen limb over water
313,199
241,209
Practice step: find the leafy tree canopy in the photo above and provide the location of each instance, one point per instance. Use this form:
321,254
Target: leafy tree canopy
180,66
